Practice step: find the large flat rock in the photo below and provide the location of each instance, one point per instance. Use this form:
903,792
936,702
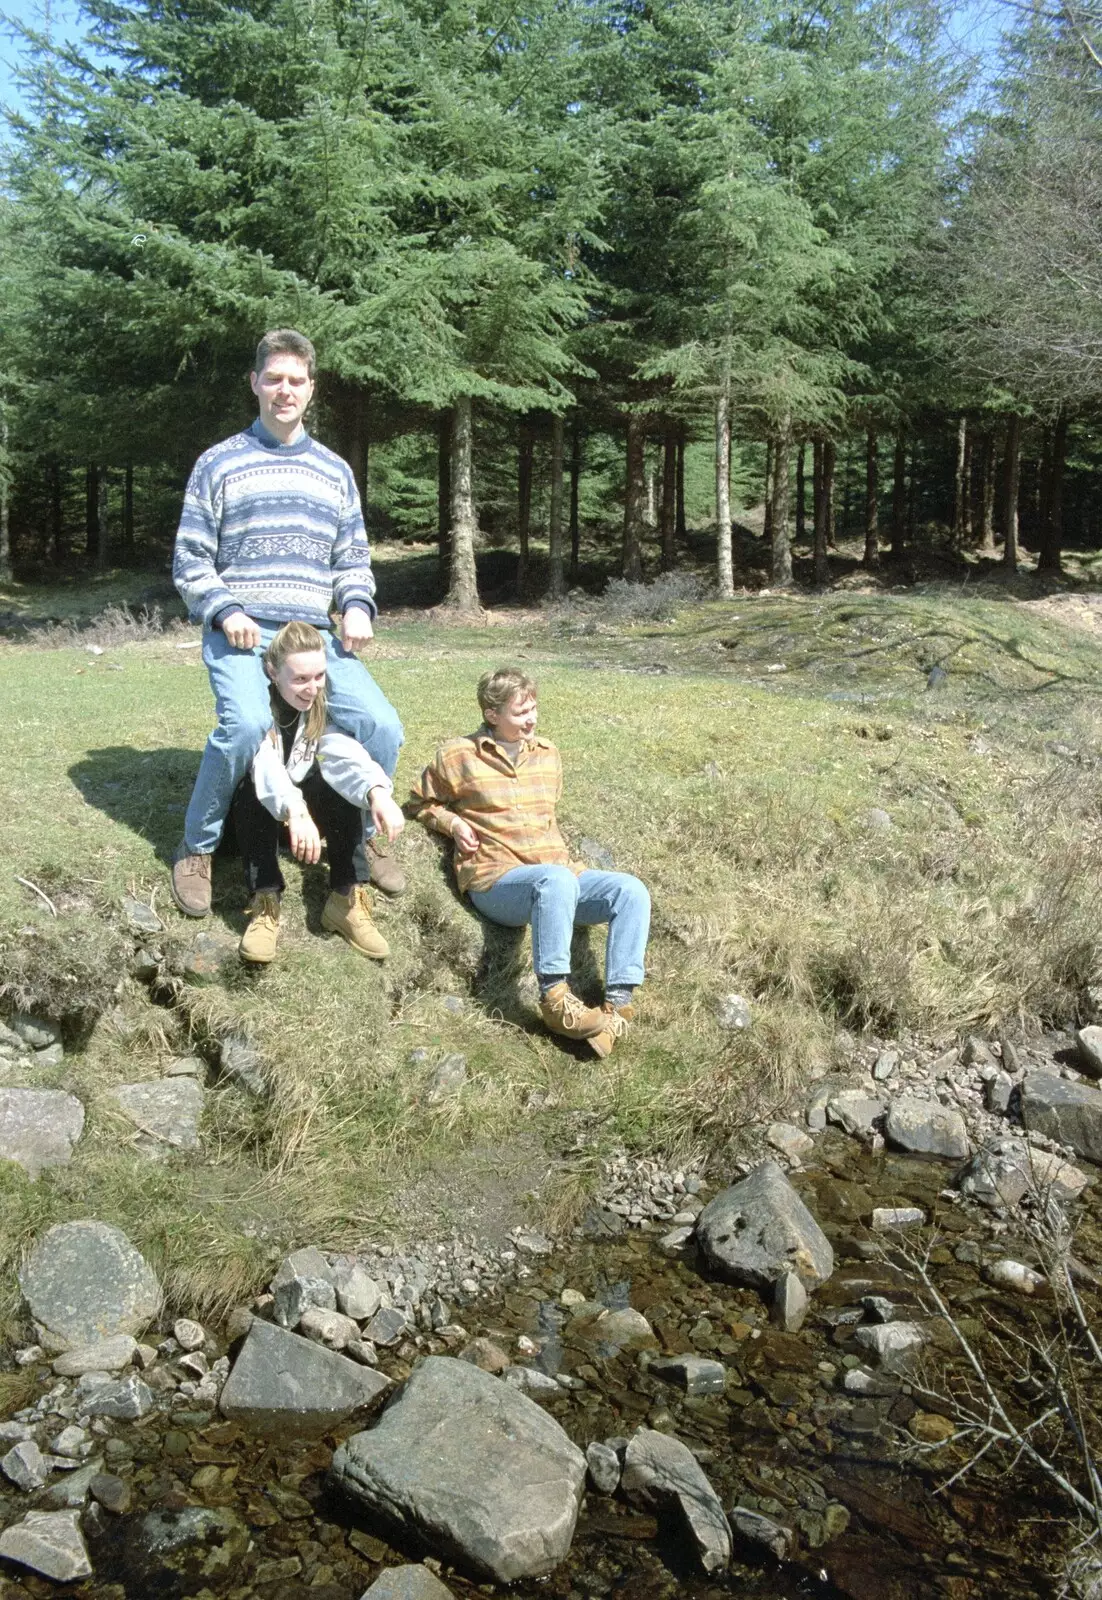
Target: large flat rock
759,1230
284,1384
48,1542
927,1128
83,1282
1067,1111
166,1112
39,1127
471,1466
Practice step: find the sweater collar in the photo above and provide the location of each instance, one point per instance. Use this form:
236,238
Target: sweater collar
265,437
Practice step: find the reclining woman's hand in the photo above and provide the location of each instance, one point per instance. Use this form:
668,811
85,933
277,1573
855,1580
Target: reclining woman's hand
466,839
386,815
305,838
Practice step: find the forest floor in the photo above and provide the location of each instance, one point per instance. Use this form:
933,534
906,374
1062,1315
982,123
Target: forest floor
869,809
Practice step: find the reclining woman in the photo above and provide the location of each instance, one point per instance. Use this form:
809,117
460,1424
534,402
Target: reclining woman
317,782
493,793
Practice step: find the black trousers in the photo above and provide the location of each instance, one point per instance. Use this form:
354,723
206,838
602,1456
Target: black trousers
339,823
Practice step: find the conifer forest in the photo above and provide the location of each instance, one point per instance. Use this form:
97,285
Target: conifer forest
612,271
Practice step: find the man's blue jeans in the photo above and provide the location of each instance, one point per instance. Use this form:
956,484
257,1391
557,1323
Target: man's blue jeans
555,901
356,705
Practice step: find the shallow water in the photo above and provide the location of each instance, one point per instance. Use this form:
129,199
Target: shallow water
784,1438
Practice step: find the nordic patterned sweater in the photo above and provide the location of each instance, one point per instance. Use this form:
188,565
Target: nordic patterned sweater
274,530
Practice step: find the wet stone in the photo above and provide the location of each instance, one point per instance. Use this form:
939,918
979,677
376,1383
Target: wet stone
71,1491
1068,1112
603,1465
760,1229
127,1400
760,1530
387,1326
663,1472
927,1128
113,1494
790,1302
895,1344
857,1113
407,1583
25,1466
695,1374
887,1217
50,1543
284,1384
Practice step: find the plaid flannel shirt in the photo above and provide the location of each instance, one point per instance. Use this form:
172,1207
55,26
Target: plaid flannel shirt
512,808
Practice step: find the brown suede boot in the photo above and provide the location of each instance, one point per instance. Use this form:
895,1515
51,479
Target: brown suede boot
386,874
616,1026
565,1014
350,916
191,882
258,942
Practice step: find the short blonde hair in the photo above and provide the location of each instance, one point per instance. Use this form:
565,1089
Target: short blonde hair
497,688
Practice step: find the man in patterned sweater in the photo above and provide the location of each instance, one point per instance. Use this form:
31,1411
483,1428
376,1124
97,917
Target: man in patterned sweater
272,532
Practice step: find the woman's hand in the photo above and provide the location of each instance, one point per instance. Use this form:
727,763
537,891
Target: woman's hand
305,838
385,813
466,839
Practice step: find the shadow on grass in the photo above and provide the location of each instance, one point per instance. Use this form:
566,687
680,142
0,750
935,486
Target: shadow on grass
145,791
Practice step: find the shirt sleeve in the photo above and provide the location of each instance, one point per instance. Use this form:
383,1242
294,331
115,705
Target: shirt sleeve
275,789
196,550
431,798
353,579
347,768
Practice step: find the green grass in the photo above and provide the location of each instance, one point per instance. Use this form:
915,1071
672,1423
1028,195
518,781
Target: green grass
741,796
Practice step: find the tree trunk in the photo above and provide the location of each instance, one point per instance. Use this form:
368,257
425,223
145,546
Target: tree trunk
444,487
669,498
575,477
91,510
872,501
781,547
103,541
58,542
631,564
912,493
801,492
829,459
357,454
680,527
987,501
819,501
767,494
725,571
128,511
5,501
899,494
525,449
1049,559
463,584
960,485
1011,470
556,587
650,514
847,489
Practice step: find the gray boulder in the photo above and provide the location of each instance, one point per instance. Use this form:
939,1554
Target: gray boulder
761,1530
660,1471
759,1230
1089,1041
241,1063
471,1466
1004,1173
357,1294
38,1032
926,1128
295,1296
604,1467
857,1113
83,1282
126,1400
282,1384
1066,1111
166,1111
25,1466
39,1127
407,1583
48,1542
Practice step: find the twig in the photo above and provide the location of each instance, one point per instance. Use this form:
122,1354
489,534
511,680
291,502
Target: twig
33,887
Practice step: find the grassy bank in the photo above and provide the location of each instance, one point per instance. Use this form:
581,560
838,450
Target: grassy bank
822,831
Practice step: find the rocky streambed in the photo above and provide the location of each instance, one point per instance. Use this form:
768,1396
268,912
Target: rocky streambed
720,1439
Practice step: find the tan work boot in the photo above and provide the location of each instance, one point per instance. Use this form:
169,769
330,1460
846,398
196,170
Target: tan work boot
615,1027
565,1014
191,882
258,942
386,874
350,916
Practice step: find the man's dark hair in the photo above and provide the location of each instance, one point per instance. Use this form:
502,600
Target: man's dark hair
286,342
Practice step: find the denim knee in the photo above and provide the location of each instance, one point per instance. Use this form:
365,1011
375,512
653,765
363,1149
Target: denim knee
559,882
632,891
243,733
386,739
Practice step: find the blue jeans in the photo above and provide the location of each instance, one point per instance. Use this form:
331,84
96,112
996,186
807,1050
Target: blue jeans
356,704
555,901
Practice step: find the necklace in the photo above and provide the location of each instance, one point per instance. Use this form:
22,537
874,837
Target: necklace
294,718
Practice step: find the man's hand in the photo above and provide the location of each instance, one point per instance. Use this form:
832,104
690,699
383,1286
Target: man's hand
356,628
466,839
305,838
386,815
241,631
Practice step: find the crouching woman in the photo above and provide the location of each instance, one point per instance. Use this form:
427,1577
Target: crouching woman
318,783
494,793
